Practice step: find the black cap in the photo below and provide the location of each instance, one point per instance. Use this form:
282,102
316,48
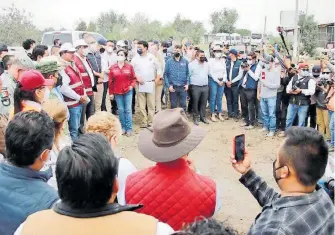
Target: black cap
3,47
316,70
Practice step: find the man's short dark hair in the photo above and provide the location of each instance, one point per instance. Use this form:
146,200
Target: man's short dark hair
144,43
27,43
110,41
177,46
207,226
39,50
199,52
307,152
7,60
86,172
56,41
27,136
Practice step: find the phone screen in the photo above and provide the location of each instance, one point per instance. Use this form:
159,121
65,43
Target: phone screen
239,147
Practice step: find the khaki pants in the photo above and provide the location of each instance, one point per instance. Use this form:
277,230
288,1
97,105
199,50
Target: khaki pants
323,122
158,94
146,99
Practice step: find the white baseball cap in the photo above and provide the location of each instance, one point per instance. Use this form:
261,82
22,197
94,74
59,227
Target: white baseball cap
80,42
120,43
67,47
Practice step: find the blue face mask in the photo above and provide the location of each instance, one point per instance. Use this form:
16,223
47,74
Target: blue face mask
139,51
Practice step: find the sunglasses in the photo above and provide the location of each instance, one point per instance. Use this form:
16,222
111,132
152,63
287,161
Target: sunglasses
325,72
305,70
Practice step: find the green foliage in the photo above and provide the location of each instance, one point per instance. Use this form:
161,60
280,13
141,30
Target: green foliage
108,20
224,21
92,27
308,34
81,26
243,32
16,26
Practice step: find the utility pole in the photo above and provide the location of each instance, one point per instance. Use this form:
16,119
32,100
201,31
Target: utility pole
296,21
264,32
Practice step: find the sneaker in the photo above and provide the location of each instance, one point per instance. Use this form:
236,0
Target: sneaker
213,118
282,134
143,125
123,132
204,120
264,130
150,125
129,133
270,134
331,149
249,127
221,117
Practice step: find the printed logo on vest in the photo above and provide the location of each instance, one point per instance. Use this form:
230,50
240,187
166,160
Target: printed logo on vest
263,75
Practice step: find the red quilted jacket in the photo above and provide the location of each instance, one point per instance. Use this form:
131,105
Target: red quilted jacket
172,193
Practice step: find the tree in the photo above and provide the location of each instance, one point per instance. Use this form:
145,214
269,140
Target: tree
308,34
92,27
108,20
224,21
49,29
186,28
16,26
81,26
243,32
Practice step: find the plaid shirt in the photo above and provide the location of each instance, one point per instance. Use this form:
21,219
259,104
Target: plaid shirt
305,215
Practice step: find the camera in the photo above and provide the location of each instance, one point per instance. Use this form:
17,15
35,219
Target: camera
295,86
325,82
244,65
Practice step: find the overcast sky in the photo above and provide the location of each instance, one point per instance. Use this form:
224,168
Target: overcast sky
64,13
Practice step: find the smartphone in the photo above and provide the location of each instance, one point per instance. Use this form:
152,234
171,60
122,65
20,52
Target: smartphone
239,147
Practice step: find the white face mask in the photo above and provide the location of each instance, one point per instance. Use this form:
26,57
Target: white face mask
46,94
121,58
250,62
304,73
85,52
267,66
325,76
218,55
109,49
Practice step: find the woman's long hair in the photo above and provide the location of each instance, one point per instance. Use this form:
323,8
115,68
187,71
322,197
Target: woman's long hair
20,95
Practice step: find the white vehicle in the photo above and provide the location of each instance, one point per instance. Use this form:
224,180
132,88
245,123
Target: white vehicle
66,36
236,38
246,39
224,38
256,39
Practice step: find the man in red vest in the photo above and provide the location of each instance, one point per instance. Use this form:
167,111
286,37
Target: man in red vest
172,191
72,89
87,76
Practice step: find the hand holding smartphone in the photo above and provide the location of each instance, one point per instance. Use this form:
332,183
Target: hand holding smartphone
239,147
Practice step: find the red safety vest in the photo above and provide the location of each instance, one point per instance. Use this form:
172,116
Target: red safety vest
84,75
172,193
75,84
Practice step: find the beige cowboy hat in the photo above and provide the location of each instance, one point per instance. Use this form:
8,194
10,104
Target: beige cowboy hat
170,138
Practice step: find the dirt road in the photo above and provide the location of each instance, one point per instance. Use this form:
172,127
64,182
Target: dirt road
211,158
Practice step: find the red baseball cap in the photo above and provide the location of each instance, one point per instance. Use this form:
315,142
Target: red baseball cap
303,65
33,79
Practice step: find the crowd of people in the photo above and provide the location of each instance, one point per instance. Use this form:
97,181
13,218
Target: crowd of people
58,114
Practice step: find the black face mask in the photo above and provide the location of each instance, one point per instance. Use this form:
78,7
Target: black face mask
202,59
102,50
316,75
274,169
139,51
59,81
177,54
164,50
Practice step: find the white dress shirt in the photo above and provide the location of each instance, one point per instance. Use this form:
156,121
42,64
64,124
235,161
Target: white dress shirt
254,75
65,89
107,60
217,69
87,68
240,73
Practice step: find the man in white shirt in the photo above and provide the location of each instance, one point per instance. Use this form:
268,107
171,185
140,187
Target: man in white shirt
108,58
148,73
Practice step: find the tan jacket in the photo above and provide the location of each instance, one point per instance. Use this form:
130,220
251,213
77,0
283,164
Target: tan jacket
123,223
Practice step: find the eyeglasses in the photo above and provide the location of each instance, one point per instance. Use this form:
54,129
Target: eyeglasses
325,72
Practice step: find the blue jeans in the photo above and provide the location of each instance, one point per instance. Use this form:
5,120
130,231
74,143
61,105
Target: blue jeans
178,97
124,103
332,128
232,94
74,121
215,96
268,106
292,110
